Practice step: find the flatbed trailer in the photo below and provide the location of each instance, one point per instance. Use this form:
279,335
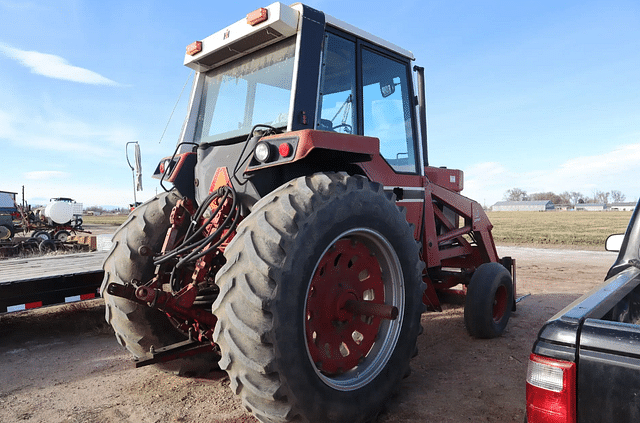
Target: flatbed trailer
43,281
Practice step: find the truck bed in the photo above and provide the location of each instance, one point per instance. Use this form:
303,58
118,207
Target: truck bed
606,350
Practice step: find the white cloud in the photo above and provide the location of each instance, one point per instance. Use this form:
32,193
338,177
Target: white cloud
46,175
616,170
19,5
58,132
55,67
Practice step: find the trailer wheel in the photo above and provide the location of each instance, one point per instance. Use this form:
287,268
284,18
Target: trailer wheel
292,345
47,246
41,235
31,245
136,326
488,303
62,236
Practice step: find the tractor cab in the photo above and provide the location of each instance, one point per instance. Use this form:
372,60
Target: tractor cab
294,68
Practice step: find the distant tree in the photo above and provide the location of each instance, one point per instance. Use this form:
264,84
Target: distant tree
617,196
516,194
600,197
576,197
546,196
96,209
565,198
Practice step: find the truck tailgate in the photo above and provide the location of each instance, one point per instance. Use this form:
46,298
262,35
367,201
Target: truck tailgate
609,372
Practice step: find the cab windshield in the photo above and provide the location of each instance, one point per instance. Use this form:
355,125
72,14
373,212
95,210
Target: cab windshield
255,89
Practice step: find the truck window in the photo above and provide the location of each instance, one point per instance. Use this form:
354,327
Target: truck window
338,86
387,109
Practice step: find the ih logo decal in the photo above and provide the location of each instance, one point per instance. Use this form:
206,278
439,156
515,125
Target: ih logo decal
220,178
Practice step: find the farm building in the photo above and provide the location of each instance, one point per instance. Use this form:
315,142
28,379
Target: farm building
543,205
591,206
622,206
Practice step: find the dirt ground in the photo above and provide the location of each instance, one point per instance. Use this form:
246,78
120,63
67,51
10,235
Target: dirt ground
63,364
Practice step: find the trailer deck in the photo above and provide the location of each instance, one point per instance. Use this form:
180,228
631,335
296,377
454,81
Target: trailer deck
28,283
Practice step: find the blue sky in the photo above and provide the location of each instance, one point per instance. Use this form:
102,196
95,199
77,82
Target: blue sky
540,95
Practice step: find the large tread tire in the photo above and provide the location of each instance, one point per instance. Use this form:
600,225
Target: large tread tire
264,289
138,327
488,302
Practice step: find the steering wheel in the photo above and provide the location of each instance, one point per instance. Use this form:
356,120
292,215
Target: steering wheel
347,129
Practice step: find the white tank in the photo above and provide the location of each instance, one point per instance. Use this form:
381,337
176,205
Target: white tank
62,212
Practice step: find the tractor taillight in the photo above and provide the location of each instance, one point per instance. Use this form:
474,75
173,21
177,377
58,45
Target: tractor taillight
551,390
284,149
165,166
257,16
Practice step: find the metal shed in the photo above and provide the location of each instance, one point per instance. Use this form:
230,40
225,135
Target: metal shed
622,206
591,206
542,205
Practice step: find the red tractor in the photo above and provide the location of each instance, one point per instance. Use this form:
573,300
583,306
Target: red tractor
304,234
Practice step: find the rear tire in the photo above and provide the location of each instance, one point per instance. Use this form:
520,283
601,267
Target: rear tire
290,348
488,303
138,327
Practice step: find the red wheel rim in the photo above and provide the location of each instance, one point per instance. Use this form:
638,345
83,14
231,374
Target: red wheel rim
499,303
338,340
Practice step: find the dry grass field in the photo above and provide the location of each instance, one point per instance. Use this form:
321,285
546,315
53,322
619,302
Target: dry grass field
107,219
586,230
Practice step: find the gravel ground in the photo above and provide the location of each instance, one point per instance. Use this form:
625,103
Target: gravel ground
62,364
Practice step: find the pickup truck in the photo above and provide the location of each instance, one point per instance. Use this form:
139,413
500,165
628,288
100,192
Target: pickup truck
585,363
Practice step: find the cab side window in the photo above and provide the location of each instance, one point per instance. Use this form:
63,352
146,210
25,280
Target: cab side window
387,109
338,86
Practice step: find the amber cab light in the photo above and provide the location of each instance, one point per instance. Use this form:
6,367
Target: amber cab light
257,16
551,390
194,48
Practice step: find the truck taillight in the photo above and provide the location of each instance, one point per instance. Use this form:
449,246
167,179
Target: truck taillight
551,390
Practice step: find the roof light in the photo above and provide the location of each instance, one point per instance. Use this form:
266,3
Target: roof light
257,16
194,48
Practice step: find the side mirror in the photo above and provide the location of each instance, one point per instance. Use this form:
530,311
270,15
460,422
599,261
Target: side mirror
614,242
387,88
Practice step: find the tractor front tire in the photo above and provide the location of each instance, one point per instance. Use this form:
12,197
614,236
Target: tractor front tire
292,349
489,299
138,327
